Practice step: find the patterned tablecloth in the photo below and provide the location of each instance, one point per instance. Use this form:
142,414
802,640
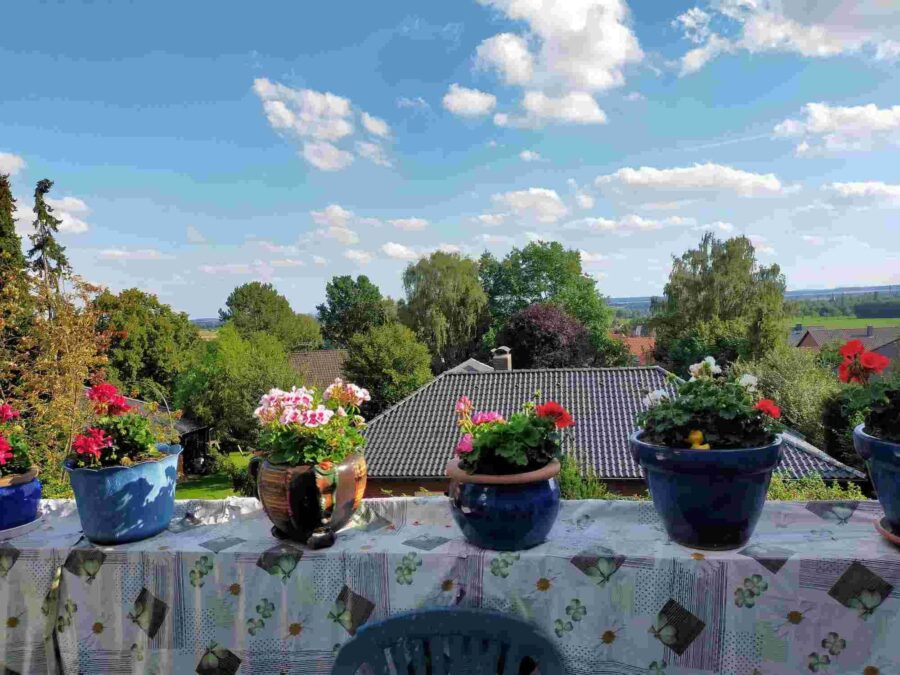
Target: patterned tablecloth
817,590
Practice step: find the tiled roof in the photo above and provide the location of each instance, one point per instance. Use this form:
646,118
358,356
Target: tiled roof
472,366
640,346
414,439
319,368
881,335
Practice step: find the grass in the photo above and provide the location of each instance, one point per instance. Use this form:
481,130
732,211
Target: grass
842,321
214,486
209,334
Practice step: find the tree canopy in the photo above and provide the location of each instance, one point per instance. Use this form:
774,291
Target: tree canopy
149,342
390,362
11,257
47,256
545,336
445,306
256,307
351,307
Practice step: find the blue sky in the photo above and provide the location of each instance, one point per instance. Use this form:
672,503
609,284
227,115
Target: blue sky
197,146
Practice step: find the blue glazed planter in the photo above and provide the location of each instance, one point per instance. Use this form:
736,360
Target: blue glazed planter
120,504
708,499
883,461
505,517
19,501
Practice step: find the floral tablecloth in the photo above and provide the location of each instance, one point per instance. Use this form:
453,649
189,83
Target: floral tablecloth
817,590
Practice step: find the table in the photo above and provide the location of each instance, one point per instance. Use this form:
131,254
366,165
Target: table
817,590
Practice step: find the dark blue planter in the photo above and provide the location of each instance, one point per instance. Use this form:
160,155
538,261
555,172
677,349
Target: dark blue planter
19,503
883,461
505,517
120,504
708,499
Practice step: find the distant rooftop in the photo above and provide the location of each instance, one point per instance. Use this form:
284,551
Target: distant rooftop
872,337
319,368
472,366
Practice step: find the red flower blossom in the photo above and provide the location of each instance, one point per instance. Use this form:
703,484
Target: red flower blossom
845,373
107,400
852,349
767,407
5,451
560,415
7,413
874,362
91,442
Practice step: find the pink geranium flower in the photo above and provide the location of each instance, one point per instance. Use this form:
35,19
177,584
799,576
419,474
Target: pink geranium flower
7,413
463,405
487,417
464,446
5,451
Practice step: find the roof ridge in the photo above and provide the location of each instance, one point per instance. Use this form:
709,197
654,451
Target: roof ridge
805,446
561,370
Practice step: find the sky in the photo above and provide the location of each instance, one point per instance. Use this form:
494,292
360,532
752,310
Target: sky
197,146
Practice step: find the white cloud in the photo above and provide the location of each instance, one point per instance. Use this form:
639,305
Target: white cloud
592,258
869,192
542,204
409,224
468,102
813,240
530,156
375,125
357,256
320,261
342,234
761,244
579,44
287,262
270,247
416,102
584,200
508,54
195,236
698,57
131,254
449,248
66,209
697,178
334,215
633,96
576,107
631,222
826,128
373,152
495,238
326,156
694,23
399,251
11,164
490,219
717,226
258,269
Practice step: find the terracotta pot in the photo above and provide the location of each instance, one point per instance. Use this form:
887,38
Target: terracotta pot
309,503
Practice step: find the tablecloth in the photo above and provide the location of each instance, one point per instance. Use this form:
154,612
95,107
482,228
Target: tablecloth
816,590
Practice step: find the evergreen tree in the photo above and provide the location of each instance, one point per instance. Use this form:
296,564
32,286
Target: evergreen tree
47,257
11,257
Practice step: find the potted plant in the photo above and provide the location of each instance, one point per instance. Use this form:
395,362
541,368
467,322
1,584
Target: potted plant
311,474
123,479
877,439
20,490
708,453
503,489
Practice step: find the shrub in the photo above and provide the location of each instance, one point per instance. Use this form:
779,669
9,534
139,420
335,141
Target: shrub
883,419
241,481
545,336
812,488
573,484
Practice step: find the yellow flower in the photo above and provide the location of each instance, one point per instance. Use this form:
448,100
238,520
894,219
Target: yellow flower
695,438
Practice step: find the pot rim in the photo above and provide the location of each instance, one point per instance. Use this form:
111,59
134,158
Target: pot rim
352,456
20,478
634,438
551,470
860,430
119,467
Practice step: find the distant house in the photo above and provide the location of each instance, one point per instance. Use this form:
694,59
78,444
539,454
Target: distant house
640,346
872,337
472,366
892,351
409,444
319,368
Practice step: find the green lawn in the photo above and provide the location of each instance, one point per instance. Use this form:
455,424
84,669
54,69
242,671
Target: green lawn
214,486
842,321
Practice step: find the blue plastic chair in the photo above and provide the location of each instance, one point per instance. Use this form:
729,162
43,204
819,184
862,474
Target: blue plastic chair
449,642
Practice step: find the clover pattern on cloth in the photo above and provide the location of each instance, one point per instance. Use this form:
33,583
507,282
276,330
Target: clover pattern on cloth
815,590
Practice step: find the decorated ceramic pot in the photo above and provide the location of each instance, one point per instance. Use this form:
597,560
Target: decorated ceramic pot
309,503
509,512
20,495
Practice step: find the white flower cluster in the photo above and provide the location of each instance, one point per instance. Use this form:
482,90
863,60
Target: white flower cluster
346,393
749,382
706,368
655,397
292,407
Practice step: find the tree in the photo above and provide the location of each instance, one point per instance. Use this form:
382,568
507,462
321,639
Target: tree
539,273
353,307
47,257
226,378
390,362
445,306
149,342
719,292
258,308
545,336
11,257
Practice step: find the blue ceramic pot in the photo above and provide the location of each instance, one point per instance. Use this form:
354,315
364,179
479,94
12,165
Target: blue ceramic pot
708,499
506,516
19,500
883,461
119,504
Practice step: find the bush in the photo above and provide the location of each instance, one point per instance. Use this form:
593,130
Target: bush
812,488
545,336
241,481
843,411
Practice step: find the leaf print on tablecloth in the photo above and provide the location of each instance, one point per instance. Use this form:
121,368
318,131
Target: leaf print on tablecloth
149,613
407,567
501,565
816,662
657,668
217,660
676,627
255,625
835,512
202,567
747,594
576,610
834,643
265,608
85,562
280,560
600,564
861,589
865,603
8,557
350,610
561,627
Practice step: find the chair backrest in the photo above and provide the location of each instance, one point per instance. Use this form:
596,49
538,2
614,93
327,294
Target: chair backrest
449,642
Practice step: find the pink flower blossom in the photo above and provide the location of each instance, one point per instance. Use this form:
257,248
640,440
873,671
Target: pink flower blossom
5,451
465,445
487,417
463,405
7,413
346,393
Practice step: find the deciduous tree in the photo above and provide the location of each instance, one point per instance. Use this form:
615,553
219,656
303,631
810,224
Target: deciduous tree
351,307
545,336
258,308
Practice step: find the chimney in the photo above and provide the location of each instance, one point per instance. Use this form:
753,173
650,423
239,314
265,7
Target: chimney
870,331
798,327
502,360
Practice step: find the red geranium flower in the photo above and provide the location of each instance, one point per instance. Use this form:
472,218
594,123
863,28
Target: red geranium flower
560,415
91,442
845,374
7,413
5,451
852,349
107,400
874,362
767,407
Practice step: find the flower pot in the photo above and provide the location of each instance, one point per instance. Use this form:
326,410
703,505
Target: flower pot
708,499
120,504
20,495
309,503
883,461
505,513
